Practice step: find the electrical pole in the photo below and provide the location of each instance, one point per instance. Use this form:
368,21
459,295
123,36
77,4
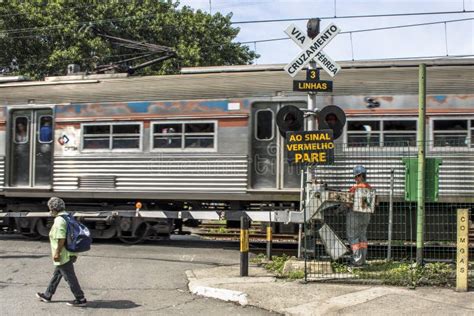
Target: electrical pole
420,216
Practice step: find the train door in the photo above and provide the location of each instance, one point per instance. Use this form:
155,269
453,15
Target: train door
269,163
30,148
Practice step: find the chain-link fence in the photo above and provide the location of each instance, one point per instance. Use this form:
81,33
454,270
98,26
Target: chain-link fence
341,243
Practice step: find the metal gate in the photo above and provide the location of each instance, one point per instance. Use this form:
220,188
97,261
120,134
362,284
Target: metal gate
391,231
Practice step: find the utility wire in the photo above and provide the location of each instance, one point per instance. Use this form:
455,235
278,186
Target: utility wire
286,38
239,22
412,57
353,16
368,30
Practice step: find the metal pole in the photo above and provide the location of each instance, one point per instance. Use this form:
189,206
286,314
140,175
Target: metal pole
390,216
306,177
300,226
420,218
244,246
305,230
300,232
312,125
269,237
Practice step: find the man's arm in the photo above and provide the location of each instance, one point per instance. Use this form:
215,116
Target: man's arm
57,254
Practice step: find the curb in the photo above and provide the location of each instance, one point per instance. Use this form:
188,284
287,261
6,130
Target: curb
199,288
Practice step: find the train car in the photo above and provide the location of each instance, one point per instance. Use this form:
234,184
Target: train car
206,142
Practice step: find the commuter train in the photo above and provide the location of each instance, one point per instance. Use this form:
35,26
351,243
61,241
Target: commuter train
206,142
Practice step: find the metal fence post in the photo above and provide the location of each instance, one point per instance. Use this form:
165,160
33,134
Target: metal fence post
390,216
420,218
244,246
462,252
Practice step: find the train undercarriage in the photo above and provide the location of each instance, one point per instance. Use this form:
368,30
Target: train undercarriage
122,219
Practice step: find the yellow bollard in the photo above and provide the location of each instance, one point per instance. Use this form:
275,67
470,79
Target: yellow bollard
244,246
462,253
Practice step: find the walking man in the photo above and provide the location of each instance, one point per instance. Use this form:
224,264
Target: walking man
357,222
62,258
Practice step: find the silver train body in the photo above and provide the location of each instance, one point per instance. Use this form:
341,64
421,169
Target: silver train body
206,140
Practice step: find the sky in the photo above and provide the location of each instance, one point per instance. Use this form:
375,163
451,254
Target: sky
421,41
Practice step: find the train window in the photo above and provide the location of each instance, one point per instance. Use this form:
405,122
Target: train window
111,136
399,140
451,133
363,126
399,133
264,125
381,133
126,136
167,128
167,135
97,129
184,136
363,133
363,140
399,125
199,135
45,134
20,130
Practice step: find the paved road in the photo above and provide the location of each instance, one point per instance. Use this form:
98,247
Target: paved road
118,279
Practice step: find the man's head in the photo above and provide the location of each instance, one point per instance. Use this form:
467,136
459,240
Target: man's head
56,205
360,174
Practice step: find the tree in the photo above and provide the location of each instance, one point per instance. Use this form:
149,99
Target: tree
45,38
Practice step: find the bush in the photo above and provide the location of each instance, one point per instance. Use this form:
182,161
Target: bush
277,263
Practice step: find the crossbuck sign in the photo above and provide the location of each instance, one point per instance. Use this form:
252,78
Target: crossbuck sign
312,49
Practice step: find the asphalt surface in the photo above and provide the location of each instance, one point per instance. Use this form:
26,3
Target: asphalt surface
118,279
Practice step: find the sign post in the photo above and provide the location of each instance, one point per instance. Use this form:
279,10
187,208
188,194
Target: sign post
462,257
311,45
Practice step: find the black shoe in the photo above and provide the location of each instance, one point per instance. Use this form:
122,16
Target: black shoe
43,297
78,303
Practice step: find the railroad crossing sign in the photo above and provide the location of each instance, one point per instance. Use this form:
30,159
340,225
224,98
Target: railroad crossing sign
312,49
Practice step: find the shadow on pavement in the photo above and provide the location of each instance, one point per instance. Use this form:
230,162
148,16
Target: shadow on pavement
23,256
112,304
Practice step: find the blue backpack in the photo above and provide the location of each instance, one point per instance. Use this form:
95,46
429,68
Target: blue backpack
78,236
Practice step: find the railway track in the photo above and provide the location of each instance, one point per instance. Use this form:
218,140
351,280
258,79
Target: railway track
221,232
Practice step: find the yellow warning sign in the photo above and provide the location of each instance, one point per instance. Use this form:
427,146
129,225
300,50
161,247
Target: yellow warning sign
313,147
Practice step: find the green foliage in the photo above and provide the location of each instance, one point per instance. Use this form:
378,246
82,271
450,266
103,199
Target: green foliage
295,275
45,37
258,259
277,264
339,267
404,274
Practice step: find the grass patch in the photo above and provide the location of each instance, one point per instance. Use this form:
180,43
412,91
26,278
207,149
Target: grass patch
296,275
404,273
277,264
258,259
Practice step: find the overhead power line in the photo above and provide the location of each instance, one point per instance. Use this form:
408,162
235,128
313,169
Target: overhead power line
353,16
368,30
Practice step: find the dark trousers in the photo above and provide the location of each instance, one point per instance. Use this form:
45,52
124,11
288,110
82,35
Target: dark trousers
67,271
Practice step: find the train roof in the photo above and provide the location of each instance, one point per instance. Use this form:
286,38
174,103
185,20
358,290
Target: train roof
394,77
